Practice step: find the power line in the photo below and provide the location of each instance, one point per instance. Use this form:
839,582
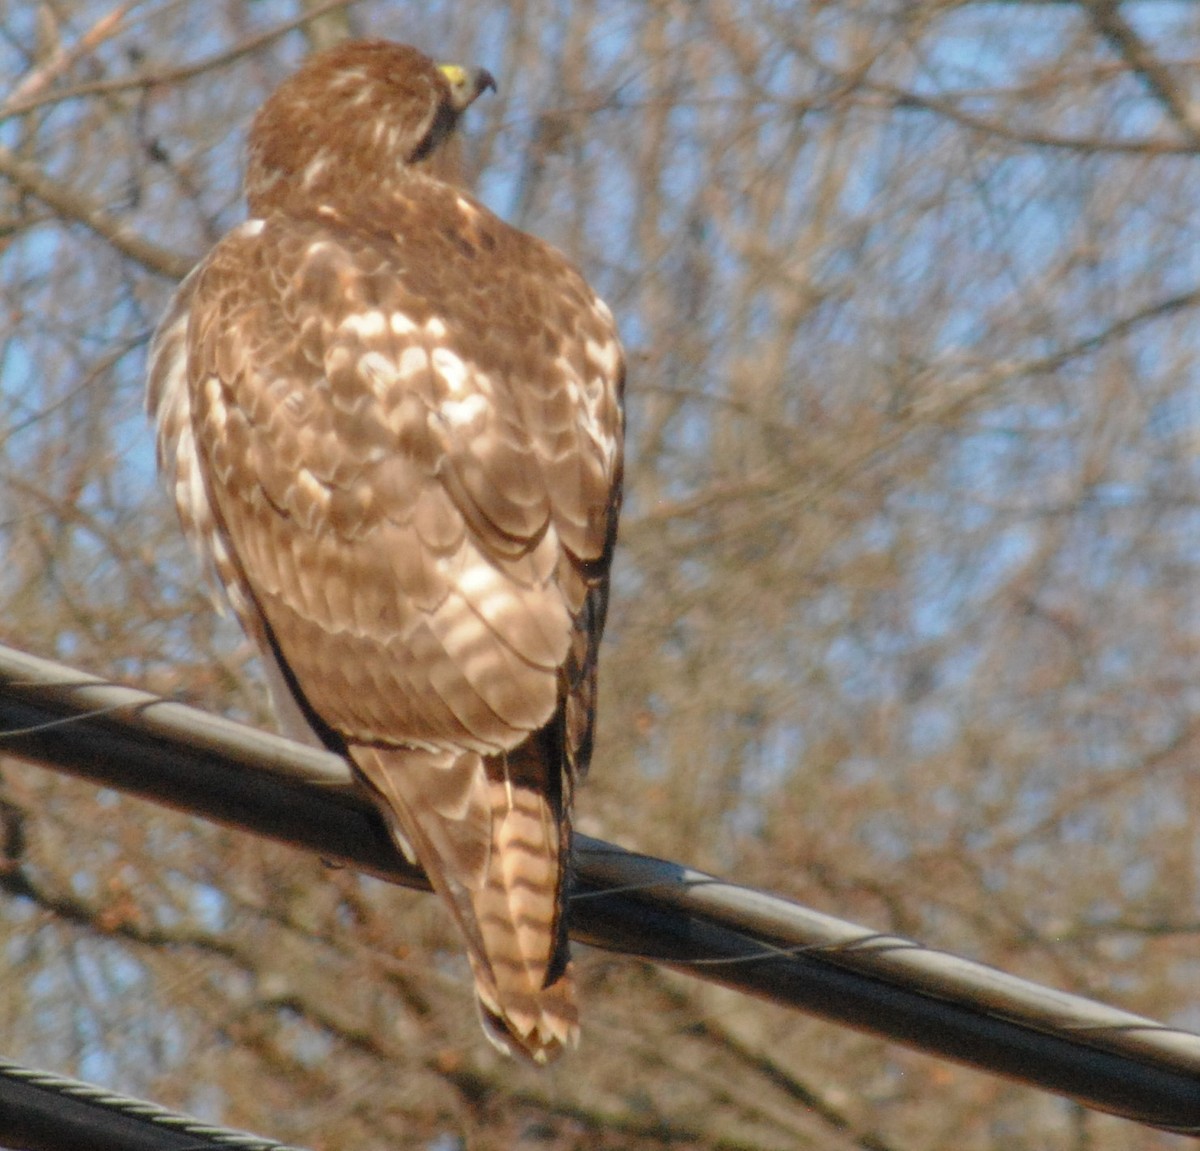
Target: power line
1105,1058
40,1111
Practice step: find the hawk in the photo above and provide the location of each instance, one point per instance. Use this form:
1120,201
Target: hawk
392,425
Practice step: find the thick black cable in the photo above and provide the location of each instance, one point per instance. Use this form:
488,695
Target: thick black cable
40,1111
1105,1058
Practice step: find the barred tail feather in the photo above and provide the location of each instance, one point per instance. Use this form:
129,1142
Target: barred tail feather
494,847
539,1030
524,984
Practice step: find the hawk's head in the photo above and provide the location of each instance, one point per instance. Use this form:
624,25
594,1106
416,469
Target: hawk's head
353,118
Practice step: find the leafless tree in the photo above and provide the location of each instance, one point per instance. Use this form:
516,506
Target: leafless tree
907,608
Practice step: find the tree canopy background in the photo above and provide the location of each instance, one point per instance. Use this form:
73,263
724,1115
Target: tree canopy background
905,622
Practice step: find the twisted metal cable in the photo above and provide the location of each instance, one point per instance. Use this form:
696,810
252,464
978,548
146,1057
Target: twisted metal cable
1105,1058
41,1111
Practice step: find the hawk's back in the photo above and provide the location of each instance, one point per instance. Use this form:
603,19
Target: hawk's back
393,425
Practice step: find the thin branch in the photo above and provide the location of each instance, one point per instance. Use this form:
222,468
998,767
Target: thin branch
770,496
63,59
70,204
889,98
167,76
1111,24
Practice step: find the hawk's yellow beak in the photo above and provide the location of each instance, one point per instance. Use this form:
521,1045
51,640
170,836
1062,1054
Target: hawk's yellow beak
466,84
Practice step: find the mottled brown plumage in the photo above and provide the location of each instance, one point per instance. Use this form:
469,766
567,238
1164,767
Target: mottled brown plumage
393,427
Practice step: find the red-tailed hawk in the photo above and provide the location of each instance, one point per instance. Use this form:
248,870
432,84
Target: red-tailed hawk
393,427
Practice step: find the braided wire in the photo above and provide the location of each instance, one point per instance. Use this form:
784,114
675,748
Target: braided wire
151,1114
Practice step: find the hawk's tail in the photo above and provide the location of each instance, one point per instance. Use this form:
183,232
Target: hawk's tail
491,839
524,982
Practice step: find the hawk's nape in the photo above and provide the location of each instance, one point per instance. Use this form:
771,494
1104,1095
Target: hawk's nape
393,428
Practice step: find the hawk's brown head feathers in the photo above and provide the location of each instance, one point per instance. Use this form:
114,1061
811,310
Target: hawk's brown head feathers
351,119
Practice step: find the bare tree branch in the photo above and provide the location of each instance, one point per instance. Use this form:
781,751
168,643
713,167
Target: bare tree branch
73,206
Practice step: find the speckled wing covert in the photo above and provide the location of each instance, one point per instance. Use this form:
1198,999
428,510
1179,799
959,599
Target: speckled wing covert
393,428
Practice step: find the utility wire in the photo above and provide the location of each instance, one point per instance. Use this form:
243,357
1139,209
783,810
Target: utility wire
40,1111
1100,1056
